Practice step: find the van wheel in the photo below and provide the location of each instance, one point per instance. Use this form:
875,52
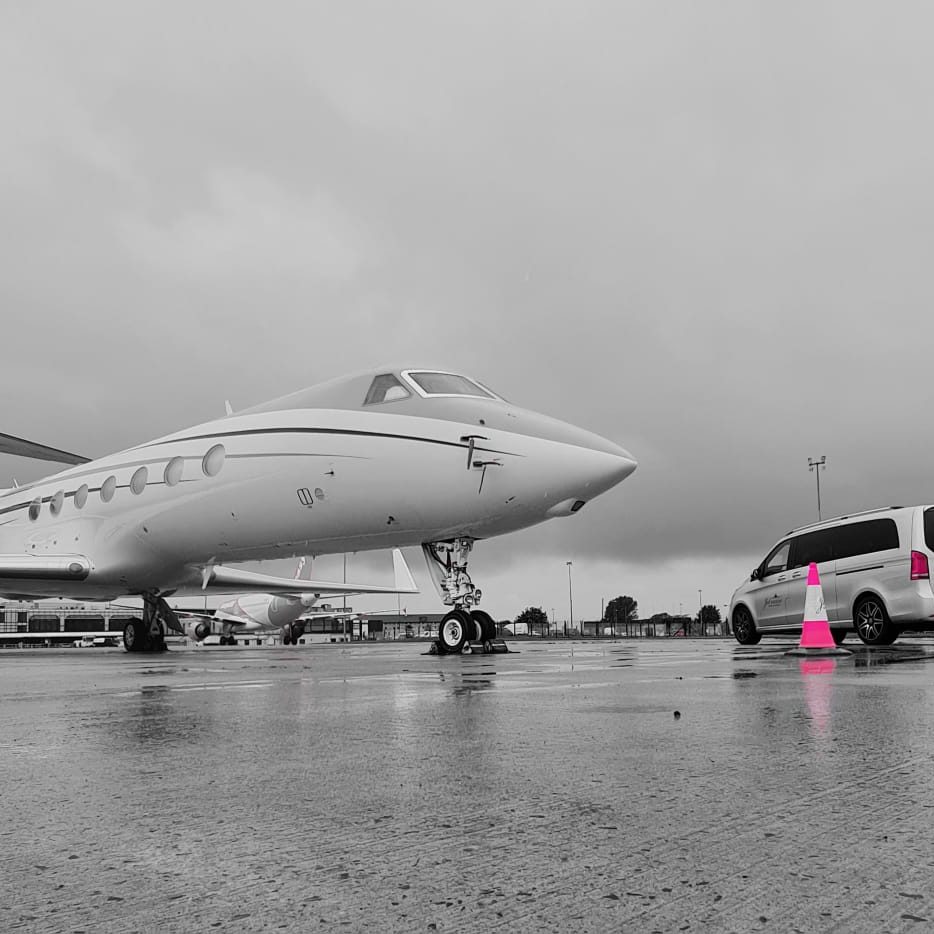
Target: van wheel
744,628
872,623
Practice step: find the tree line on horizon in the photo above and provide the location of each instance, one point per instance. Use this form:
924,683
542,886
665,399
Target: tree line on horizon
623,611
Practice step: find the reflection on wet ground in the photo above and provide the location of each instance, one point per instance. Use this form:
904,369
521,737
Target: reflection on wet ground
647,786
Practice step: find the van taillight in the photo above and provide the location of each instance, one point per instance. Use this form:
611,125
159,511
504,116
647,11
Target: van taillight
919,566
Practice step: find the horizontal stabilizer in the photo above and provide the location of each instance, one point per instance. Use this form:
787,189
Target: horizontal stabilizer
46,568
234,580
40,452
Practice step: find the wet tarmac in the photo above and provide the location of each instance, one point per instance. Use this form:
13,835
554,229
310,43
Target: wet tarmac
662,785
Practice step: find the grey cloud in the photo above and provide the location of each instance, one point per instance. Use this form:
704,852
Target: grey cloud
702,232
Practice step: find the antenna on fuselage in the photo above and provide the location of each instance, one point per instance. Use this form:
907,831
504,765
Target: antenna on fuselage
228,407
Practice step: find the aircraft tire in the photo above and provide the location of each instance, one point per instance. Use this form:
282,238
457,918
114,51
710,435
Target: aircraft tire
135,637
452,633
232,640
485,624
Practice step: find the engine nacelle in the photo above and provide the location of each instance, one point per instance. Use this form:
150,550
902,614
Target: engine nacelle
198,631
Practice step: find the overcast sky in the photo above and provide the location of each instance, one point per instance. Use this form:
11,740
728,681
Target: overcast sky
702,230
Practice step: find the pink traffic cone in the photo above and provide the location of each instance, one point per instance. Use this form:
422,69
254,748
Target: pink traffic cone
816,638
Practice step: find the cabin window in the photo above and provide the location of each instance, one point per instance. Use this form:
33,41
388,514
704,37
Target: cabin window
173,471
81,496
385,388
138,480
108,488
55,503
35,507
212,462
447,384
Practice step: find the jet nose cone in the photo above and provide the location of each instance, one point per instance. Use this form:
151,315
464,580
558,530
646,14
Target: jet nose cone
625,466
595,470
616,464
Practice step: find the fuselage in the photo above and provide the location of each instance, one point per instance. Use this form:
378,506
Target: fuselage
291,478
260,612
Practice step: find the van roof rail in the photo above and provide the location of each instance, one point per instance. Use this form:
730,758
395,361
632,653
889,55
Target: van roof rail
852,515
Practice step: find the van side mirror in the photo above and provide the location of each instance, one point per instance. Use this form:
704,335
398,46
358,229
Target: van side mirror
756,574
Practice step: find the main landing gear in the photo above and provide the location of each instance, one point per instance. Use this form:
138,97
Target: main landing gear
148,634
292,633
462,629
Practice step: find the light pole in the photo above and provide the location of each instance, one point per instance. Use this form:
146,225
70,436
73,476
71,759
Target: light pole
817,467
571,596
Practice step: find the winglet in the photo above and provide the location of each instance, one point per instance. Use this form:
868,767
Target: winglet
207,574
402,576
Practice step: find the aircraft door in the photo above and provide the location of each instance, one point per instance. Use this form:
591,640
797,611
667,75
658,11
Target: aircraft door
773,587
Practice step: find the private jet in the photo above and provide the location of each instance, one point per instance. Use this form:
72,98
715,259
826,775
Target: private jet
388,458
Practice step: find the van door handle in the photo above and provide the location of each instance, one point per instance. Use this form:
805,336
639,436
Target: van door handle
781,577
796,576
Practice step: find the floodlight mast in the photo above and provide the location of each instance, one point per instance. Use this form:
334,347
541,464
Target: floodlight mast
817,466
571,597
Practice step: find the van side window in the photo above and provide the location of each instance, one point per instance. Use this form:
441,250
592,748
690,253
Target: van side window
777,560
863,538
812,546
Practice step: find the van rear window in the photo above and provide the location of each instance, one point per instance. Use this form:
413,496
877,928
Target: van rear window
929,528
863,538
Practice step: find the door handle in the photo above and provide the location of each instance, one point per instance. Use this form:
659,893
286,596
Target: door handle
796,576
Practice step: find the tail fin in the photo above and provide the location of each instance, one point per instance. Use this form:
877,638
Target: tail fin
402,576
303,571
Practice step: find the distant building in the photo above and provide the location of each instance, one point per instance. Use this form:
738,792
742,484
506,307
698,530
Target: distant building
59,621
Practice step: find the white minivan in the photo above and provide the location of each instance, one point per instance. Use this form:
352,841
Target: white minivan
874,571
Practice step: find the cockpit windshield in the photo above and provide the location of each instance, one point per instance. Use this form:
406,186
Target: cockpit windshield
446,384
385,388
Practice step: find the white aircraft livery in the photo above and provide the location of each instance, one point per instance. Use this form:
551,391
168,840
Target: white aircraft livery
389,458
284,613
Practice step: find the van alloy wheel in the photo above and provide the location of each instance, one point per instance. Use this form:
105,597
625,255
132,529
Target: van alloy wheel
872,622
744,629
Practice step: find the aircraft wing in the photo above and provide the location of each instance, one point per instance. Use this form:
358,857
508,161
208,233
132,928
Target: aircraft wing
40,452
234,580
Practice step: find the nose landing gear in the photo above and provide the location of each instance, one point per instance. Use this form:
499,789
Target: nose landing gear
462,629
